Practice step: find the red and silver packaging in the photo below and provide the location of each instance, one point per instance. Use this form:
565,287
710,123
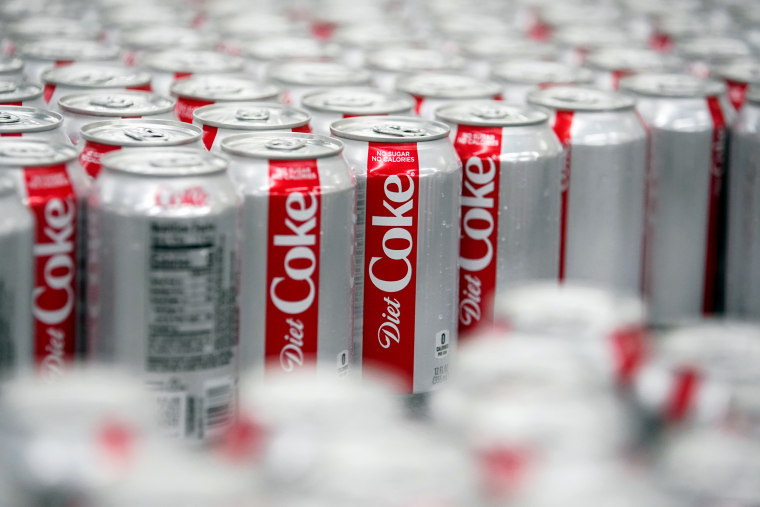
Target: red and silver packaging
239,27
138,42
41,27
577,41
602,188
81,108
611,65
460,26
103,137
554,16
409,181
673,27
520,77
162,274
332,104
11,70
703,54
220,121
122,17
262,53
432,90
199,91
510,202
16,275
299,202
33,123
52,186
388,64
79,77
21,94
483,52
299,78
42,55
742,296
739,77
358,40
686,118
175,64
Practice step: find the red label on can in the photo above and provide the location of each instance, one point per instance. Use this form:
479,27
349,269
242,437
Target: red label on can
306,129
660,42
47,92
141,88
209,135
184,108
480,149
390,259
737,92
11,103
563,123
91,155
683,393
713,214
12,134
182,75
418,100
292,313
63,63
629,350
617,76
130,58
53,202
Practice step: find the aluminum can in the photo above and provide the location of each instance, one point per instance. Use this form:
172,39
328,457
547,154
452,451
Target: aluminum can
44,54
738,77
432,90
577,41
52,187
602,185
162,282
16,275
11,69
611,65
204,90
105,136
671,29
510,202
220,121
299,78
299,202
686,119
358,40
80,109
555,16
32,122
388,64
21,94
409,182
237,28
40,27
332,104
484,51
261,53
704,53
139,41
520,77
174,64
79,77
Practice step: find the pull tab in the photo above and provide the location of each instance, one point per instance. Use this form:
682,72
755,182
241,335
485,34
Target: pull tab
95,78
144,134
8,118
582,97
492,113
285,144
7,87
678,84
350,101
214,89
177,161
112,102
398,130
252,114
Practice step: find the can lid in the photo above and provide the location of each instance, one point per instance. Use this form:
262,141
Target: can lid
500,47
159,37
465,25
602,36
87,75
358,101
22,152
281,145
248,116
672,85
125,15
251,25
38,27
164,162
539,72
561,14
572,98
713,48
447,86
223,88
288,48
374,35
318,74
680,27
139,132
18,92
632,59
67,49
389,129
116,103
193,61
20,119
413,60
10,65
742,71
490,113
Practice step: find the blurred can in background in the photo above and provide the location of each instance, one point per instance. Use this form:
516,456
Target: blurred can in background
431,90
11,69
44,54
262,53
738,77
611,65
174,64
704,53
141,40
32,122
299,78
483,52
520,77
21,94
389,64
79,77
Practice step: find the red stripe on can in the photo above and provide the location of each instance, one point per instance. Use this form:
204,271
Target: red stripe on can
292,317
91,156
418,100
11,134
63,63
629,347
47,92
479,148
11,103
563,122
713,214
358,115
660,42
141,88
305,129
737,93
617,75
184,108
182,75
209,135
684,390
390,260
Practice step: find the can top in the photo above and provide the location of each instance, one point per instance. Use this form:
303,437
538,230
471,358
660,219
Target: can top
742,71
252,25
712,47
464,25
116,103
679,27
169,162
288,48
490,113
10,65
447,86
753,95
318,74
125,15
192,61
158,37
572,98
537,72
20,119
389,129
45,27
632,59
248,116
357,101
138,132
88,75
603,36
22,152
281,146
18,92
55,50
672,85
500,47
374,35
561,14
413,60
223,88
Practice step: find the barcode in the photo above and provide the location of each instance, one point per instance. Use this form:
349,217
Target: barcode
220,398
172,409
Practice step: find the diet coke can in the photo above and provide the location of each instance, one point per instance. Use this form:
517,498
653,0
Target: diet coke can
577,41
431,90
388,64
520,77
738,76
21,94
32,122
40,27
220,121
510,202
162,282
204,90
103,137
611,65
44,54
358,40
686,118
602,185
409,182
332,104
139,41
175,64
485,51
299,202
80,109
299,78
703,54
52,186
260,54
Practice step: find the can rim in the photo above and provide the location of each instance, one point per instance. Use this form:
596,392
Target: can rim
34,91
60,154
175,89
234,126
336,126
703,87
57,119
333,151
87,135
209,163
141,78
279,74
617,102
480,89
108,114
402,101
160,61
11,65
446,113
